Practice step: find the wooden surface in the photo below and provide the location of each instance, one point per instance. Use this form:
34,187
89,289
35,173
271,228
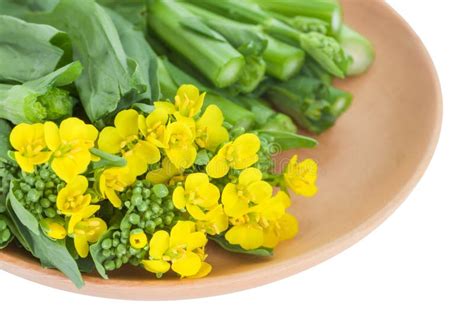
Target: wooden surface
369,162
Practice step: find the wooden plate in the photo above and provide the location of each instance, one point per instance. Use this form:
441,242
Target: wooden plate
369,163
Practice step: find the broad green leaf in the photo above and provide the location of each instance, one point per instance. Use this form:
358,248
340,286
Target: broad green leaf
222,242
135,11
27,51
50,253
108,77
137,48
25,216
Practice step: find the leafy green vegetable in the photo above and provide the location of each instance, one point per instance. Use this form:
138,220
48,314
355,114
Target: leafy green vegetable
6,236
39,100
96,249
51,253
109,76
137,48
27,51
222,242
135,11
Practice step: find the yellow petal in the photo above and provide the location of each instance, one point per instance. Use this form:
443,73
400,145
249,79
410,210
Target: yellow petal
81,245
206,268
21,135
182,157
195,211
234,206
194,180
166,106
24,163
212,116
65,168
250,175
196,240
216,135
54,229
113,198
180,232
179,199
248,236
288,227
110,140
156,266
148,151
159,244
208,194
260,191
73,129
79,184
217,220
187,265
218,167
51,135
40,158
126,123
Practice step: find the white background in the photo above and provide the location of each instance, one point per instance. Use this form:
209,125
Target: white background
419,262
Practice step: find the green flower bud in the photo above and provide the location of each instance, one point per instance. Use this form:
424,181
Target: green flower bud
106,243
160,190
3,225
45,203
134,219
5,235
109,265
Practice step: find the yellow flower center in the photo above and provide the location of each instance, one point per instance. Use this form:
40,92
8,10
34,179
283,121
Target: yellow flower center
114,182
128,143
32,149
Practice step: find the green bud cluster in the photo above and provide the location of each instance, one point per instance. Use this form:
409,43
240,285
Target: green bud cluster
7,172
265,155
117,251
37,192
149,207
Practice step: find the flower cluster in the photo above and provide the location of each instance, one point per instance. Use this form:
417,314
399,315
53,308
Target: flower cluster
154,187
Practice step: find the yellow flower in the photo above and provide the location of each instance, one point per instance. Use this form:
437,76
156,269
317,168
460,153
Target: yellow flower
197,196
301,177
29,143
87,232
166,106
182,251
179,145
115,180
214,222
165,174
70,144
124,139
264,225
54,228
250,188
210,133
72,201
240,154
188,101
153,127
138,240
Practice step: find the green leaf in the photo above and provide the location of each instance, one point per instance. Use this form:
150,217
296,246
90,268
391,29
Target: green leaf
260,252
108,76
134,11
5,130
286,140
202,158
107,160
50,253
25,216
137,48
27,51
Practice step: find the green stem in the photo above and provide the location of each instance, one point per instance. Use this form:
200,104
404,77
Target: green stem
206,49
359,48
